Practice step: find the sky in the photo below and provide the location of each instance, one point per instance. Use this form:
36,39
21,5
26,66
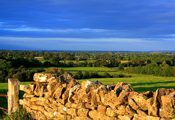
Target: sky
105,25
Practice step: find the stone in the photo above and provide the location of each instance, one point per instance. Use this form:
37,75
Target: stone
142,113
77,105
39,89
110,112
129,111
101,109
139,102
68,104
71,83
82,112
62,97
58,92
86,84
62,109
72,91
67,76
28,96
27,89
60,116
125,117
102,96
154,104
140,117
167,109
95,115
148,94
72,112
80,96
85,98
125,110
113,99
43,77
122,98
92,95
133,104
121,110
98,99
122,86
82,118
152,108
89,106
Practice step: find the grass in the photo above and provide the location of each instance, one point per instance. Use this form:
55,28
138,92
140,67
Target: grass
91,69
74,69
4,86
20,114
140,83
3,90
78,61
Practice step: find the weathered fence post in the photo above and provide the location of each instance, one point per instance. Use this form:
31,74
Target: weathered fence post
13,95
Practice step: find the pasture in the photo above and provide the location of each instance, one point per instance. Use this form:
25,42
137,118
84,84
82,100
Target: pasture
91,69
139,82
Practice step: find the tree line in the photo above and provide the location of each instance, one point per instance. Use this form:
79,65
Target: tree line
23,64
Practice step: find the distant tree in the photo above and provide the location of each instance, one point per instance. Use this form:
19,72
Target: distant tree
3,75
107,75
4,64
55,61
86,75
120,67
78,75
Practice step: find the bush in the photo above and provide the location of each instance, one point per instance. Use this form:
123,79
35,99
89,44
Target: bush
86,74
152,69
107,75
78,75
120,75
20,114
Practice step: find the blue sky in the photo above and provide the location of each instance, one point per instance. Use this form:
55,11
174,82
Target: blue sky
124,25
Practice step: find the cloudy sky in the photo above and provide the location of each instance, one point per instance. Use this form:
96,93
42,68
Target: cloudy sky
120,25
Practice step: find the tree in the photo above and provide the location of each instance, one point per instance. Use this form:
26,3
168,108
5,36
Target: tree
3,75
55,61
78,75
120,67
4,64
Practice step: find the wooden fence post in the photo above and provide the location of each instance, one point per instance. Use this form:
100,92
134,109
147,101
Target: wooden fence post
13,95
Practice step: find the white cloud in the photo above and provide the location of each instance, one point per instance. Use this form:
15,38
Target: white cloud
169,35
131,44
83,40
28,29
1,23
67,30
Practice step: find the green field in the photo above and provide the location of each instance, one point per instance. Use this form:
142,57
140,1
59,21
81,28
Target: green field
90,69
139,82
4,86
3,90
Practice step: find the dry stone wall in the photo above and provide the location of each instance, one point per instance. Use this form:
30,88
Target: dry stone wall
63,98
